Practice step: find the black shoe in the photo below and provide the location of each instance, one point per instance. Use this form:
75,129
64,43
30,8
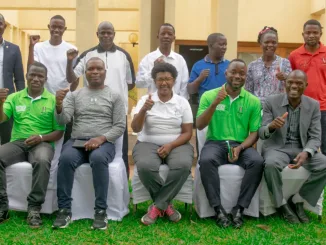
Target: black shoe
288,214
100,220
34,219
63,219
237,217
222,219
299,210
4,215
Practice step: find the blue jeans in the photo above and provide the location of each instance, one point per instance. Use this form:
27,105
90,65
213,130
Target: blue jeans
71,158
323,132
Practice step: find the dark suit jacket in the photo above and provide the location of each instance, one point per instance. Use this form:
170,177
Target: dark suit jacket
310,127
13,73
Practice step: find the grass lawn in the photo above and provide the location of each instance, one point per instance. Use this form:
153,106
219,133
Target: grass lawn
190,230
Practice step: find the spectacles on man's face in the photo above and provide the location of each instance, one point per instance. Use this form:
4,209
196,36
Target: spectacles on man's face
164,79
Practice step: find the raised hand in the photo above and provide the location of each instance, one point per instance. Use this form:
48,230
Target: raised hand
148,104
221,95
60,95
72,54
203,74
278,122
159,60
33,39
3,94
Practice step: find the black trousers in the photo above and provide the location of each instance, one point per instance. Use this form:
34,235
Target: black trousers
5,132
213,155
125,148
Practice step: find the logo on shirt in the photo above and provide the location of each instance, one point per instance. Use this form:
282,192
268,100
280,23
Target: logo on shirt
20,108
220,107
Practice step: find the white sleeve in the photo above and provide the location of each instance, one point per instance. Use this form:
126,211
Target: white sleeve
144,78
184,80
128,72
187,113
36,53
140,103
80,68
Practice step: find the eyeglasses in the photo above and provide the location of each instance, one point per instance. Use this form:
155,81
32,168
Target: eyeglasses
164,79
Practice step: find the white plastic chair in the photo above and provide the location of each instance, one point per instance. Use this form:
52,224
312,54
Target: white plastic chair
118,192
19,184
230,182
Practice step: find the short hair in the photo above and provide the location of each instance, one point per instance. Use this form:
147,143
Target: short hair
2,17
166,24
212,38
95,58
237,60
38,64
299,71
164,67
266,30
58,17
312,22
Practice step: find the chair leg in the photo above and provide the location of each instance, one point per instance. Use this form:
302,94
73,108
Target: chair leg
135,209
320,218
186,206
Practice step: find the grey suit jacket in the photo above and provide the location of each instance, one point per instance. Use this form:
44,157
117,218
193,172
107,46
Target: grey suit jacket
13,73
310,127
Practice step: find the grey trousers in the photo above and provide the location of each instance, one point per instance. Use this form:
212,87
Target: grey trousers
148,163
40,157
277,160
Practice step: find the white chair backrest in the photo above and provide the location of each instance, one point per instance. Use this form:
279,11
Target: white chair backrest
118,146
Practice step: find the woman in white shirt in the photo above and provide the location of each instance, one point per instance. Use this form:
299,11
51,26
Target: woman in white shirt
164,123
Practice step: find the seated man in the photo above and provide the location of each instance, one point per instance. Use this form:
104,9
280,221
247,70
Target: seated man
34,131
99,119
233,116
291,130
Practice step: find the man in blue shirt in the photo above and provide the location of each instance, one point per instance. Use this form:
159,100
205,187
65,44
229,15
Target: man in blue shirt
208,73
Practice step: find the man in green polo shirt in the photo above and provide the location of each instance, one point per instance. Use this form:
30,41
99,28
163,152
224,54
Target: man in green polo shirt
233,117
34,131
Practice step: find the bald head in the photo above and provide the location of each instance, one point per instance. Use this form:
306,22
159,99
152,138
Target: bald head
298,73
213,38
105,25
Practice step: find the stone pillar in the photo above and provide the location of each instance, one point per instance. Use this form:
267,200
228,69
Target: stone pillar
86,26
151,16
226,22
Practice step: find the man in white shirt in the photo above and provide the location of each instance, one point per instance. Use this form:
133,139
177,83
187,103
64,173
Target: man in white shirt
53,54
120,75
164,53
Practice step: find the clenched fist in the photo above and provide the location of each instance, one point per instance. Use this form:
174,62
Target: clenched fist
33,39
3,94
72,54
60,95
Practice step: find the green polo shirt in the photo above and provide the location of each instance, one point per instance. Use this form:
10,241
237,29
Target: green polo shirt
232,121
31,117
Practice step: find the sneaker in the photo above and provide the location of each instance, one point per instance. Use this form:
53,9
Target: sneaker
172,213
63,219
100,220
152,214
4,215
34,219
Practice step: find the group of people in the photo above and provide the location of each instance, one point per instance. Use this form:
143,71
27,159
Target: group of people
292,125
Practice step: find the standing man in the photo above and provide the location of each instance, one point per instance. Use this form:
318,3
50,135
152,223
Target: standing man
120,75
209,72
53,54
233,117
34,131
311,58
164,53
11,74
291,133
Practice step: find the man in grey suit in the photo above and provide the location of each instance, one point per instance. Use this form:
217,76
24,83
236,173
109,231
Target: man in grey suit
291,132
11,74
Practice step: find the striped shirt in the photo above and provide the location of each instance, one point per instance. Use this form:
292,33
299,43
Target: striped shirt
293,127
